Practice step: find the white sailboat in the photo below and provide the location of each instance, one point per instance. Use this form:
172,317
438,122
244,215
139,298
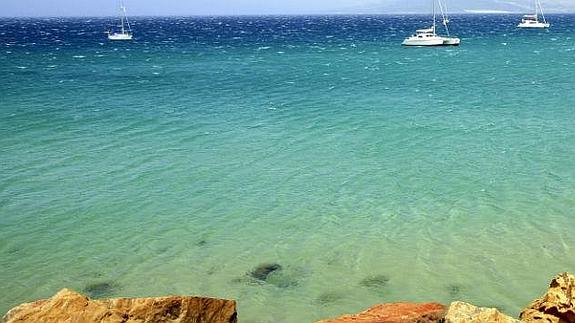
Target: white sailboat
429,36
126,31
532,21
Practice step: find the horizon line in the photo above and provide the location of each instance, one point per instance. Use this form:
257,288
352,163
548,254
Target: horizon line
466,12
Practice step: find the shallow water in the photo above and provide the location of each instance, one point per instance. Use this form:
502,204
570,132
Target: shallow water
177,163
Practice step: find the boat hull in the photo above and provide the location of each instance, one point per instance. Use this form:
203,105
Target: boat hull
540,25
119,36
447,41
436,41
412,41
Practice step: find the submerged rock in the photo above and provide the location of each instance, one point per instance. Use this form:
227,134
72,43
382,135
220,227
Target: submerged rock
69,306
396,313
262,272
329,297
100,290
454,290
282,280
377,281
460,312
271,274
557,305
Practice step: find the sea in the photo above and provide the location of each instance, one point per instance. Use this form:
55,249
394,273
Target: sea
355,170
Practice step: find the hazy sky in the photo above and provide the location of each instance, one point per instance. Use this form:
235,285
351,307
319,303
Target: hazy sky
243,7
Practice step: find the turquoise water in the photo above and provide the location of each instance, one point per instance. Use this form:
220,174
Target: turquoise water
177,163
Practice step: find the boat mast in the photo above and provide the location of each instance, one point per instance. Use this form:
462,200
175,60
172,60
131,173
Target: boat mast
433,26
445,19
538,3
124,19
122,14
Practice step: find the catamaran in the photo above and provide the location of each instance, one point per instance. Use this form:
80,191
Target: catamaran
126,31
429,36
532,21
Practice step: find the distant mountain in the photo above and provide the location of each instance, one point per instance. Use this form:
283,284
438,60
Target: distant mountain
465,6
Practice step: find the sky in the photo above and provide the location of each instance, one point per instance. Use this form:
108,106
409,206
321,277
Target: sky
51,8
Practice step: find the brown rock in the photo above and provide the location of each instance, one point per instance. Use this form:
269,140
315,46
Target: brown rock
396,313
460,312
69,306
557,305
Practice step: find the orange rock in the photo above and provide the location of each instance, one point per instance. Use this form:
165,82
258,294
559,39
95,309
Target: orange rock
69,306
396,313
557,305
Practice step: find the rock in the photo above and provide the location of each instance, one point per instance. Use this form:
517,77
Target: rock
377,281
329,297
262,272
460,312
396,313
99,290
557,305
69,306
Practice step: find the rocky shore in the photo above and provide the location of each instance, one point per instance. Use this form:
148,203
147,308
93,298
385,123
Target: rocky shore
70,306
557,305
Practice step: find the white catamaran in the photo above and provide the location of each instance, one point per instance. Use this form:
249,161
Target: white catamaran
126,31
532,21
429,37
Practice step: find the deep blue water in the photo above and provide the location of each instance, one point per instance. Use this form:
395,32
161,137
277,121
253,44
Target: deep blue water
178,162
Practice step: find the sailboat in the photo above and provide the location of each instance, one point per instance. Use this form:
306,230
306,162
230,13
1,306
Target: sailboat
532,21
126,31
429,36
